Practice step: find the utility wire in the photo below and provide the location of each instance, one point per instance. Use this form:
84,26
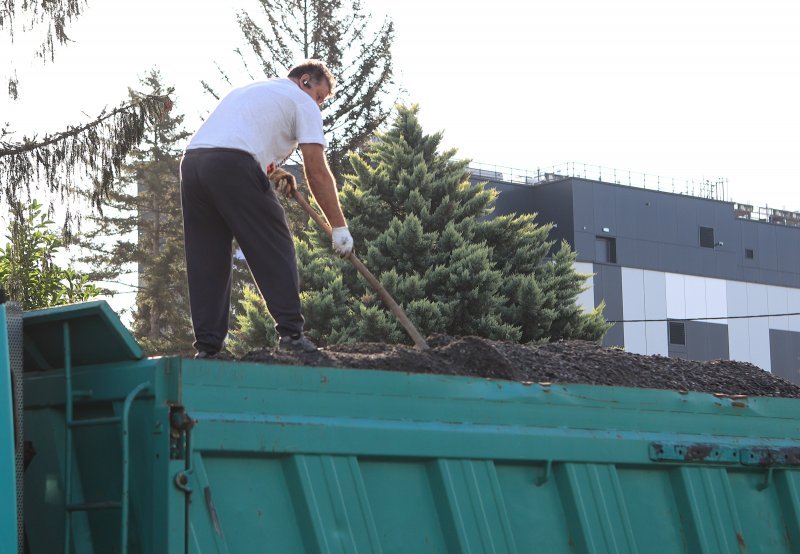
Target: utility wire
678,319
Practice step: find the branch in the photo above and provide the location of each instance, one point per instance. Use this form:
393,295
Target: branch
98,148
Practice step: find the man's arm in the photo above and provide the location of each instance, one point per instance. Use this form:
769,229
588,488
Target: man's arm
322,184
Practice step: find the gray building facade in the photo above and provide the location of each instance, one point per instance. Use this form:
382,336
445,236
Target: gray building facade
682,275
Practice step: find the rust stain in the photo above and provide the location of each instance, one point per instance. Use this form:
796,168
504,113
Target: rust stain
698,452
740,540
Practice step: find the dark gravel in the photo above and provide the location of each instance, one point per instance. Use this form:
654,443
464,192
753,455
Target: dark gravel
560,362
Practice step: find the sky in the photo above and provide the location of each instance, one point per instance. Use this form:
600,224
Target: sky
681,89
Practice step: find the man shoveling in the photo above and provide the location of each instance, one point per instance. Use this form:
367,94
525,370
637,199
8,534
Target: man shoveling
226,194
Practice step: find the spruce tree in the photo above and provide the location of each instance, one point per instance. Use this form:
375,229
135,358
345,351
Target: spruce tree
425,231
423,228
141,231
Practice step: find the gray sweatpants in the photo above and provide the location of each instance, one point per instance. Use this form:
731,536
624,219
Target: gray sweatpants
226,195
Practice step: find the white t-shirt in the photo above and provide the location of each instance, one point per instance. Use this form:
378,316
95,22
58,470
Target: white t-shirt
268,119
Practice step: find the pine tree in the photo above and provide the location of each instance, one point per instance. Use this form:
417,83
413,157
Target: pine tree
83,159
341,34
254,327
146,202
421,226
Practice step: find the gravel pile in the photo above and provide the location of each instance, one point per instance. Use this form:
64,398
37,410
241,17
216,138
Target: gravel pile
561,362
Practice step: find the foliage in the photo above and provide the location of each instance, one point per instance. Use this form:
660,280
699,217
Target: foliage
87,155
52,17
425,230
340,33
97,148
28,269
254,327
142,231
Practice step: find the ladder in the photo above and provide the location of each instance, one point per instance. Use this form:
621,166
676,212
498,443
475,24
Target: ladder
123,504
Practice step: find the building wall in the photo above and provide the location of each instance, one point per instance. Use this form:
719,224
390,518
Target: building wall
723,313
662,273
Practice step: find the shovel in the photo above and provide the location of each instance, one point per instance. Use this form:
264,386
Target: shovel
398,312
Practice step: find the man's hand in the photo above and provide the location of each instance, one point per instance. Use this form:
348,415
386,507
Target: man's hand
283,182
342,241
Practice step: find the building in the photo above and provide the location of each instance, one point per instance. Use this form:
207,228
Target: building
683,274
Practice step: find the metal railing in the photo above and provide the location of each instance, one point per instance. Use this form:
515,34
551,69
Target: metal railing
715,189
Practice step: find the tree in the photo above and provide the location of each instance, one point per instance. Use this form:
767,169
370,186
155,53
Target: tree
86,156
254,327
424,229
339,33
49,19
146,201
28,270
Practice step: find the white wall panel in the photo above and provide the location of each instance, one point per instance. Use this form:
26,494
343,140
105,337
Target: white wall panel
758,304
586,299
633,308
757,299
632,294
655,295
737,298
778,303
738,329
716,300
793,306
676,302
739,340
635,338
657,338
695,294
759,343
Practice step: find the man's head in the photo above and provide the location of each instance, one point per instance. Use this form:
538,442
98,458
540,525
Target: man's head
314,79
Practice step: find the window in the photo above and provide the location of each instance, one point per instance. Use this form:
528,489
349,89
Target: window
677,332
707,237
749,253
605,250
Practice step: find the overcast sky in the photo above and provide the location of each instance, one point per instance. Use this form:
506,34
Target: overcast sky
680,88
686,89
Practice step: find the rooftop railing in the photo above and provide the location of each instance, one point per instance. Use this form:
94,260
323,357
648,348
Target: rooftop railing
715,189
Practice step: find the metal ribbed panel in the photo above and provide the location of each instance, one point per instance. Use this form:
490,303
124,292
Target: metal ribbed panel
14,319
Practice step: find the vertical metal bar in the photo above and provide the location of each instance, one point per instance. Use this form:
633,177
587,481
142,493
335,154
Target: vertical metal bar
15,354
67,438
8,482
126,409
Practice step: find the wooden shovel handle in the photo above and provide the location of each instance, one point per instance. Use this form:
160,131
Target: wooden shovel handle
398,312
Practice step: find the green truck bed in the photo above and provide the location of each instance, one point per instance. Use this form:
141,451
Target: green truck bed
202,456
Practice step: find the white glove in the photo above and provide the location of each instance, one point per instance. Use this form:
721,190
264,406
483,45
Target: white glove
342,241
282,182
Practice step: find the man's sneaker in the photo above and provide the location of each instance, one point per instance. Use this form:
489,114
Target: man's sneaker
221,355
297,342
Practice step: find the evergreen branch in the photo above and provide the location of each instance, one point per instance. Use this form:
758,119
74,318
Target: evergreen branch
98,147
28,145
54,16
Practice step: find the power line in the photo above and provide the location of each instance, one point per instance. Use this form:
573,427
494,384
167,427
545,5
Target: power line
678,319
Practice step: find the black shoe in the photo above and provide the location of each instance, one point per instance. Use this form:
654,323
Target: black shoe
298,343
221,355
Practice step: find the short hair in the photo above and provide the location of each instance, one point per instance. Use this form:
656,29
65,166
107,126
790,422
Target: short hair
316,69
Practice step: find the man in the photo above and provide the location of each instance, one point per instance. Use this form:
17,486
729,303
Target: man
226,194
